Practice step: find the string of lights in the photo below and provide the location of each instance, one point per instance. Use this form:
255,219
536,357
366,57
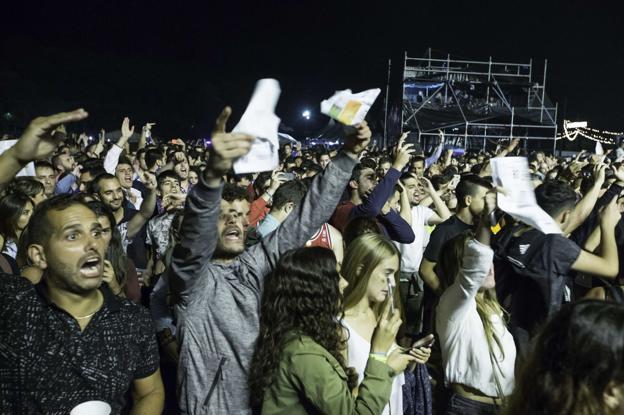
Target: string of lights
601,136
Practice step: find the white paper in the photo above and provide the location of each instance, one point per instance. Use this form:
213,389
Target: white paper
349,108
260,121
518,199
29,169
599,151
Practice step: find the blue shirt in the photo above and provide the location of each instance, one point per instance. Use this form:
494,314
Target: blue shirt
268,225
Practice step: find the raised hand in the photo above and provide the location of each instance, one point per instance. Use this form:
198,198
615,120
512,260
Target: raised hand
600,173
149,181
126,129
610,215
427,186
403,153
357,141
39,140
226,147
618,173
277,178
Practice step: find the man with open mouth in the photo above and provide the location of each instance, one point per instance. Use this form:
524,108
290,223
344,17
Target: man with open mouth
218,284
69,340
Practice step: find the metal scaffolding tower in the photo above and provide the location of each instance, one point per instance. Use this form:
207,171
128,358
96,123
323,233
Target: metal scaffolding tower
476,102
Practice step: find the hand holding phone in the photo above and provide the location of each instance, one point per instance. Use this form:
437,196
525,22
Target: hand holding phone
454,182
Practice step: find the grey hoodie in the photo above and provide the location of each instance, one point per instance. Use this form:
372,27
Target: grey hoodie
217,305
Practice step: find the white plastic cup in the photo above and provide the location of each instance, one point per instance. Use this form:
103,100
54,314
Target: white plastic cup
92,408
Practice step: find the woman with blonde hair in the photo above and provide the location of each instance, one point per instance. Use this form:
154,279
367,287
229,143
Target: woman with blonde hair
371,267
477,349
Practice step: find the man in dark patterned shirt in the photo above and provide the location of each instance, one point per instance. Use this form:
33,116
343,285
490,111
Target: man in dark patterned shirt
69,340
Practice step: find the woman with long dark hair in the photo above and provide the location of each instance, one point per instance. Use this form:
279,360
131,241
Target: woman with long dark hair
298,366
477,349
15,212
577,366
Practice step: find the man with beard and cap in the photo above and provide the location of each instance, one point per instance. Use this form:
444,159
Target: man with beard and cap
217,284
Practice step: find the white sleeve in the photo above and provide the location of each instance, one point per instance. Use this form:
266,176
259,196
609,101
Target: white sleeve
112,158
476,264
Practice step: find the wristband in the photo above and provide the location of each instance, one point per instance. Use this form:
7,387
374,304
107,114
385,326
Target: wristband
379,357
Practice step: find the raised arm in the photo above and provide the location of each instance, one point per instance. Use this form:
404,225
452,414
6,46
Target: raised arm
583,208
316,207
442,211
398,229
37,142
606,264
510,148
112,157
147,206
372,205
476,264
203,206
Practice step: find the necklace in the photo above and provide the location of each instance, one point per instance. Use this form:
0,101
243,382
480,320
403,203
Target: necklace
88,315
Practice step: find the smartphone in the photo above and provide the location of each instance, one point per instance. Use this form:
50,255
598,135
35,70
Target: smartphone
425,341
390,293
289,176
454,181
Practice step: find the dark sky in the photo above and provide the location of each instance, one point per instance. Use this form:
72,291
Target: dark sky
178,63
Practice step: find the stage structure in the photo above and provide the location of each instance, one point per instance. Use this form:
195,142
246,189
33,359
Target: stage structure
475,103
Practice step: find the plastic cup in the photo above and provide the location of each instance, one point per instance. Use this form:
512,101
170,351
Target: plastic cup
92,408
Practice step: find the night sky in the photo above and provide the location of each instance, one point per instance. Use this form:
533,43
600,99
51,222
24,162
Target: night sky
178,63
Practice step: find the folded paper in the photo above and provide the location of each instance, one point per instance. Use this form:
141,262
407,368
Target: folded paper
260,121
518,197
349,108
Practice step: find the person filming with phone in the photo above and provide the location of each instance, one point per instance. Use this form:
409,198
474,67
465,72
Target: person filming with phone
371,267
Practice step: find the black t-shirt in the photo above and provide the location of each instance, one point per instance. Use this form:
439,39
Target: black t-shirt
443,233
545,261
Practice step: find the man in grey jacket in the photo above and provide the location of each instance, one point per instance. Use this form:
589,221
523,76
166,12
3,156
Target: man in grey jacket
217,284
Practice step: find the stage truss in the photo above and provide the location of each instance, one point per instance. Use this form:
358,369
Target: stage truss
475,103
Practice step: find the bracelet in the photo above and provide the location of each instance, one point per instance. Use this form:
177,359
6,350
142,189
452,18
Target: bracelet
378,357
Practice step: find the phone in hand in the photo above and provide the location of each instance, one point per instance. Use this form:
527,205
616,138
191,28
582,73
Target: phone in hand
390,294
454,181
425,341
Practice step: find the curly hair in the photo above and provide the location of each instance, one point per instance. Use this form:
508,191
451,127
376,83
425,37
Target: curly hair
578,355
232,192
301,297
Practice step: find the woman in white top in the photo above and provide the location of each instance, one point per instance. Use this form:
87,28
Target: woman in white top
371,262
477,349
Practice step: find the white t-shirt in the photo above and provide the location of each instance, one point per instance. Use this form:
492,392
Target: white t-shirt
359,350
412,254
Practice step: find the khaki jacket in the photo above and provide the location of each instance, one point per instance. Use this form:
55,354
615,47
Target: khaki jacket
310,380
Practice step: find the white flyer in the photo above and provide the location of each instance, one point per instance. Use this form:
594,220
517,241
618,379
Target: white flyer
518,198
349,108
29,169
260,121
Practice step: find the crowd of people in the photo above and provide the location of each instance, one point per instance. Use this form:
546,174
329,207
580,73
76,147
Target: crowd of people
148,278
